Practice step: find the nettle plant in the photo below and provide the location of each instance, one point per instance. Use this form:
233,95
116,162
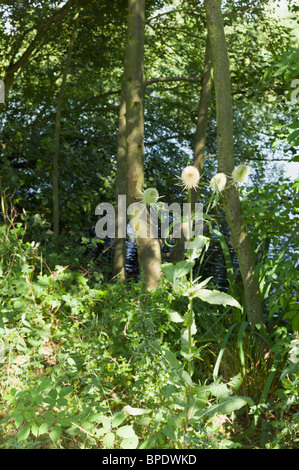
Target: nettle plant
188,402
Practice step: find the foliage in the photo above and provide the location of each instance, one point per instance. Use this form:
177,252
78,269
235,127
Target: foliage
85,361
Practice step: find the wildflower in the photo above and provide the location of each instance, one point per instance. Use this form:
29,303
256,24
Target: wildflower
150,196
190,177
218,182
240,173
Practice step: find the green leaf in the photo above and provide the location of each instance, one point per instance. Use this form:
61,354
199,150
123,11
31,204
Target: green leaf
108,440
18,421
218,298
198,244
23,432
126,431
118,419
45,383
129,443
44,427
136,411
236,381
230,404
106,422
65,391
178,270
227,406
175,317
182,268
35,429
55,433
187,379
171,359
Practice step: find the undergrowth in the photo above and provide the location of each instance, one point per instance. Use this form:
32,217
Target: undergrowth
86,364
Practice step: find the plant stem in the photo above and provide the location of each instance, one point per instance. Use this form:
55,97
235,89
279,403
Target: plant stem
189,323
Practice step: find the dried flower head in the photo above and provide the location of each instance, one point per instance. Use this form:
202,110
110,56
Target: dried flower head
218,182
240,173
150,196
190,177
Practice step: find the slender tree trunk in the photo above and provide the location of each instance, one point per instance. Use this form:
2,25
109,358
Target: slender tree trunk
240,239
149,251
119,257
200,138
55,161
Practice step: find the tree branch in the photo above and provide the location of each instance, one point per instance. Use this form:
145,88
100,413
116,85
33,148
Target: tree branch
172,79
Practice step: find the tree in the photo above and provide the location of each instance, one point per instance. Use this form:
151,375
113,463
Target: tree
241,240
149,252
55,179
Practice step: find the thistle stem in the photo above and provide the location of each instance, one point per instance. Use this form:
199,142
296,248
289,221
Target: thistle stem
190,319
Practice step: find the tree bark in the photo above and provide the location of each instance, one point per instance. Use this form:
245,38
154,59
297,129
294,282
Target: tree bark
55,161
119,256
200,138
149,251
240,238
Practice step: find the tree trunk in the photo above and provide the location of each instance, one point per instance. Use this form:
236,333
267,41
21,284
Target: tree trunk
240,239
149,251
119,256
55,162
200,139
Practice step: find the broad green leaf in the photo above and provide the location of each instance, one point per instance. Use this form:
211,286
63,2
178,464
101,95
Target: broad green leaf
175,317
171,359
184,338
187,379
65,391
55,433
178,270
53,394
198,244
169,432
227,406
218,298
182,268
106,422
108,440
126,431
97,417
45,383
144,421
129,443
230,404
220,391
44,427
168,270
18,421
61,402
23,432
136,411
118,419
35,429
236,381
